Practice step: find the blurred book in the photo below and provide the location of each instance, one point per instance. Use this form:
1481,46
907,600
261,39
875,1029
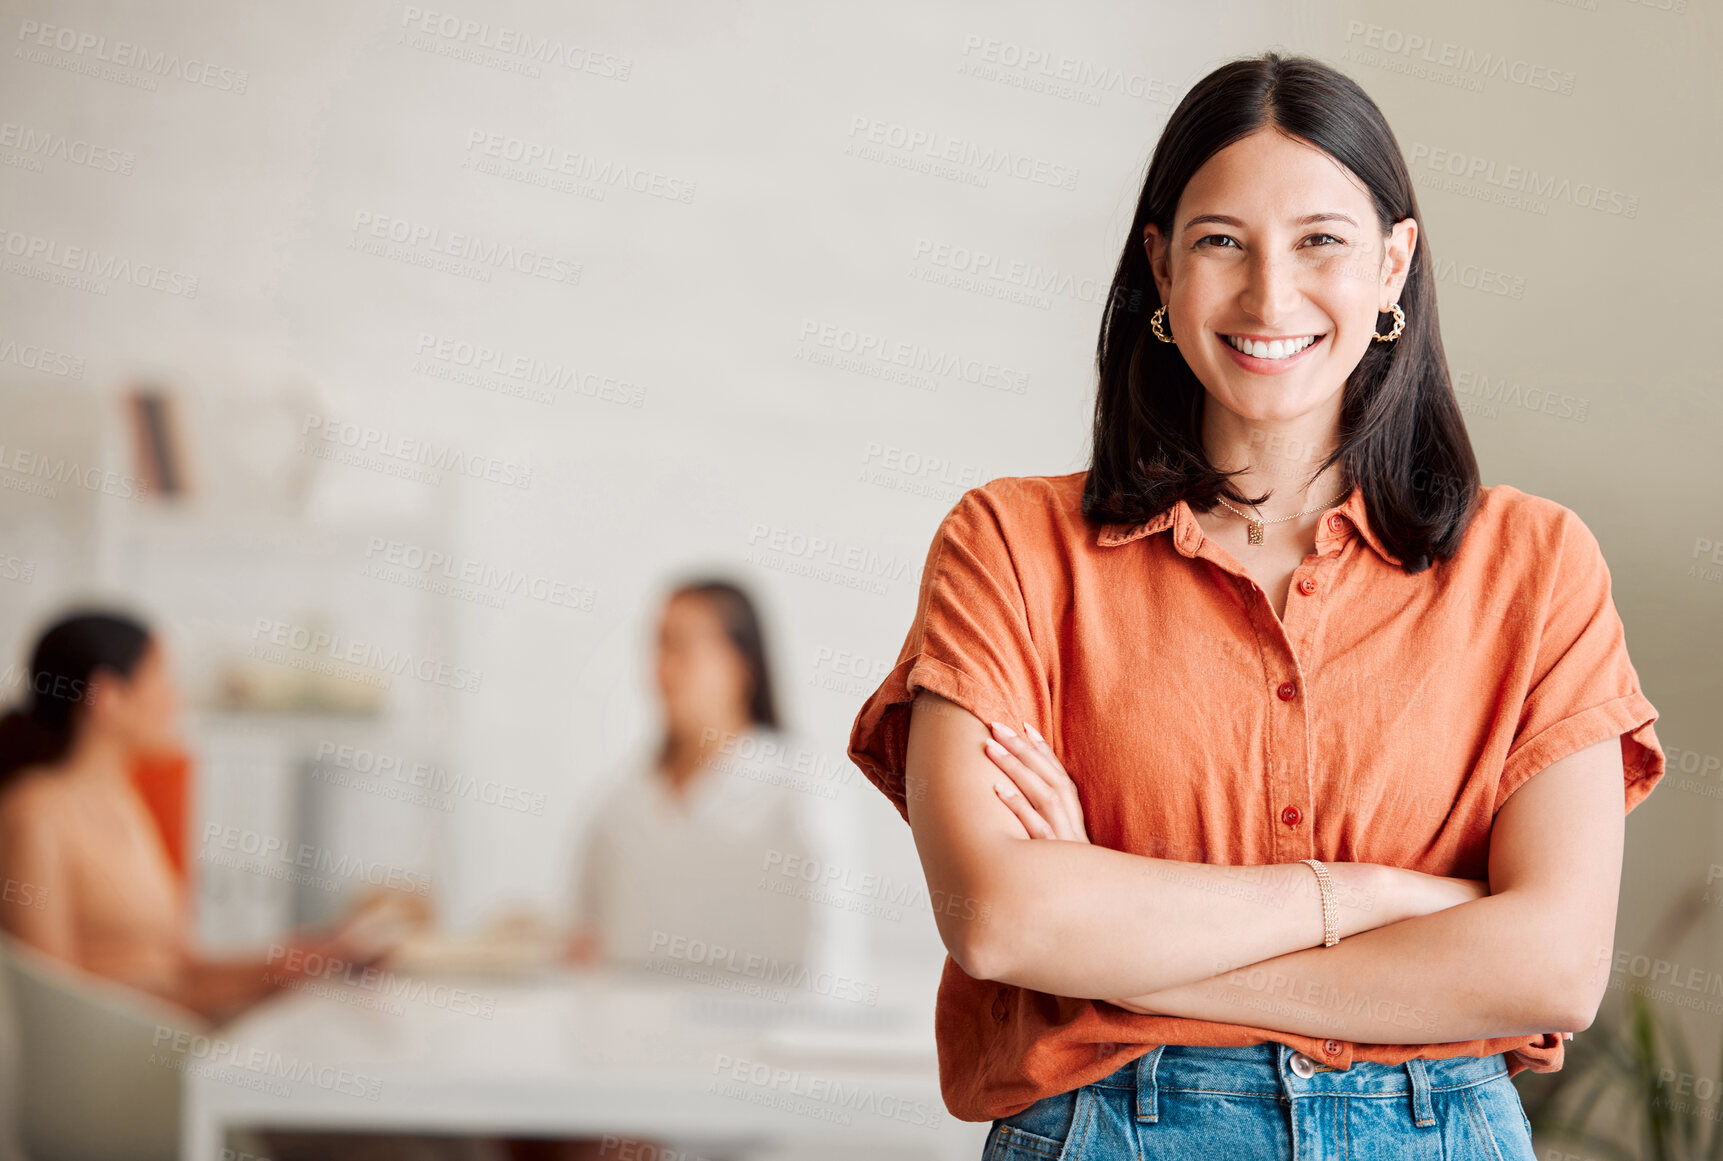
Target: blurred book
158,441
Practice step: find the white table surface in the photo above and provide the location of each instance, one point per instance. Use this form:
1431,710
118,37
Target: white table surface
575,1054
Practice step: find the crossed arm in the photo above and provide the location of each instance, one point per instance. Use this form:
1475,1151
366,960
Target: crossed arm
1422,959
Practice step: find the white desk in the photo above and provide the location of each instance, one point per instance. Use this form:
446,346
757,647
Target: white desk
574,1055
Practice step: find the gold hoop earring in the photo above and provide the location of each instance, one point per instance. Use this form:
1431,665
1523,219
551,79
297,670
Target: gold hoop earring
1399,325
1155,325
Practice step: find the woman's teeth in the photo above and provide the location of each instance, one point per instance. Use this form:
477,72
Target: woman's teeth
1278,349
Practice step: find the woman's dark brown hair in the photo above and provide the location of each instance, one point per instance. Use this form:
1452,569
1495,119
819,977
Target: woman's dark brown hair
67,659
1401,440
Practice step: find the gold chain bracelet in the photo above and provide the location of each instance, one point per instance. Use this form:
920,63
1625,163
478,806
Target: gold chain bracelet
1330,905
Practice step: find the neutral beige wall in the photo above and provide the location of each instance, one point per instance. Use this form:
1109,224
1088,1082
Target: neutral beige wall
767,226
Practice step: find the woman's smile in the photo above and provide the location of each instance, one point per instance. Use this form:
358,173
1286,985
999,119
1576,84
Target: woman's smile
1270,356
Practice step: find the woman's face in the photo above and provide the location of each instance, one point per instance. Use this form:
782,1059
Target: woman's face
1274,240
702,676
141,710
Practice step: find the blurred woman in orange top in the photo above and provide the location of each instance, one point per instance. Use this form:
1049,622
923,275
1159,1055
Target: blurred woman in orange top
86,872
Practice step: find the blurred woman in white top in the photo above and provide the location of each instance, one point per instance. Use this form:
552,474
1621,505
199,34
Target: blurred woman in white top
692,861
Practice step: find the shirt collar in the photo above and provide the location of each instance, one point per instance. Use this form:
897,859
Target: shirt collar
1188,535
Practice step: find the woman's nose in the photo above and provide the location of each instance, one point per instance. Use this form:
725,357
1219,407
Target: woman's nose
1271,288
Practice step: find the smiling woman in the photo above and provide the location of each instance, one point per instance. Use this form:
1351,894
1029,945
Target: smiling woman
1272,837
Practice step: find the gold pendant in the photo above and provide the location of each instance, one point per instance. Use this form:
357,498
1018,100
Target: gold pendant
1255,531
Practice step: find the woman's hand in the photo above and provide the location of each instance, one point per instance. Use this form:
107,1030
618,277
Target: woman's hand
374,927
1036,787
1414,893
1041,794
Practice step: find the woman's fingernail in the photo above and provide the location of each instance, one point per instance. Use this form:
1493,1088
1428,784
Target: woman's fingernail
1006,791
995,748
1033,732
1006,730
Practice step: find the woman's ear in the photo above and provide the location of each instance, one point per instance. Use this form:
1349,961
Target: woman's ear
1155,247
103,695
1402,243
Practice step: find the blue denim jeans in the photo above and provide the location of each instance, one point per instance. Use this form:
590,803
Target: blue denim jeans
1270,1102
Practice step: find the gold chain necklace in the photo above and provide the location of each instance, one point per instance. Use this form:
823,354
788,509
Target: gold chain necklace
1256,523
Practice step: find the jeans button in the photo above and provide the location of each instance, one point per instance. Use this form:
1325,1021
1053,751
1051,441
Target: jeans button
1303,1065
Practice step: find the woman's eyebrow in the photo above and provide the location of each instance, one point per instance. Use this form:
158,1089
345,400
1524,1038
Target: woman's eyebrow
1307,220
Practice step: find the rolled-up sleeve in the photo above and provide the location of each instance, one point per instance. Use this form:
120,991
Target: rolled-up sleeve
1583,686
970,642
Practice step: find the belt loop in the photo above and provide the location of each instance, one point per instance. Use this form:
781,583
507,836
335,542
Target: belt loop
1422,1115
1148,1107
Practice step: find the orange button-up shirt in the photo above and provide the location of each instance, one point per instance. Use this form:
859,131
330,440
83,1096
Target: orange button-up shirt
1384,720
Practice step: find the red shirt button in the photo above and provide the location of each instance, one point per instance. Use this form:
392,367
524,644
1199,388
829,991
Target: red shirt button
1332,1047
1337,522
1290,817
1307,586
1287,691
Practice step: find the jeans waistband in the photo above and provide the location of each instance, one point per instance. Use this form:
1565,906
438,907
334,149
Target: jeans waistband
1267,1070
